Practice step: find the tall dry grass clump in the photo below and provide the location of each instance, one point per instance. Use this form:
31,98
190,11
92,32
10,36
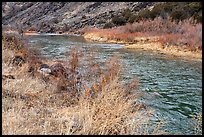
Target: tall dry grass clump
92,101
17,45
184,33
111,112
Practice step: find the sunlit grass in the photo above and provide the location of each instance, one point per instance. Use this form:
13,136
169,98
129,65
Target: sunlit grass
184,34
31,105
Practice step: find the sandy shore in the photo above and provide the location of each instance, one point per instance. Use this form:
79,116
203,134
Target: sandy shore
31,33
143,43
171,50
148,43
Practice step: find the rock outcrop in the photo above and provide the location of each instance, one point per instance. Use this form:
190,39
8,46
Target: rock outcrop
64,16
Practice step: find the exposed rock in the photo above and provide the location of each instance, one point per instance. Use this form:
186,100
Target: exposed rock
57,70
44,70
50,16
44,66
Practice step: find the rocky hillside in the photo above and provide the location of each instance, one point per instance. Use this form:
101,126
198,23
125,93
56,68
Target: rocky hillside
64,16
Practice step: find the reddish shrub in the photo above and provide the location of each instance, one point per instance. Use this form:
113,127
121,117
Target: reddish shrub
183,33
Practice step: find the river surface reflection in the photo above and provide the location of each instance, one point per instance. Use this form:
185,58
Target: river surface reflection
172,86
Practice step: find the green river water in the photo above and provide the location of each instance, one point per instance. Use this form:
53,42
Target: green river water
172,86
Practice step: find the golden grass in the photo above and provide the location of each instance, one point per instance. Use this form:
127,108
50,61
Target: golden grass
33,106
151,43
182,39
28,108
171,50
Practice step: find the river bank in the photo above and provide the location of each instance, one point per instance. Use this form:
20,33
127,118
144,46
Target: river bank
29,94
46,93
143,43
150,43
28,33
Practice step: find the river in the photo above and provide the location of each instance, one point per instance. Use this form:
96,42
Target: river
173,85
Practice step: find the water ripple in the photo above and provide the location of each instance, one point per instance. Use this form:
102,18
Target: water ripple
172,86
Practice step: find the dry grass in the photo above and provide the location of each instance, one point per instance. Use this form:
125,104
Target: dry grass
29,107
184,34
103,105
108,113
198,124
